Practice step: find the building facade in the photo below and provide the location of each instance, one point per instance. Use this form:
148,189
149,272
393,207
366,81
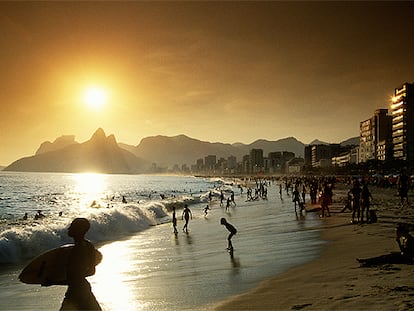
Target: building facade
375,132
402,111
322,154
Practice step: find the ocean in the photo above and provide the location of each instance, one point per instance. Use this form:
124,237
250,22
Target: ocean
145,265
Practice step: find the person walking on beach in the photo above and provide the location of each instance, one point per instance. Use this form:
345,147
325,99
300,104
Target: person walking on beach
186,215
280,191
232,231
296,199
303,193
221,197
366,196
403,183
82,260
206,210
356,197
232,198
227,204
326,200
174,221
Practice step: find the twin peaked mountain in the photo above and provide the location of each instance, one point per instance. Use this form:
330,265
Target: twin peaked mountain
103,154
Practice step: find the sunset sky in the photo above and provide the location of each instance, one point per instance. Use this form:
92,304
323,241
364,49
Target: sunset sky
215,71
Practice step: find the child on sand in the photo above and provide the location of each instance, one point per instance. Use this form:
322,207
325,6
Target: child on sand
232,231
206,210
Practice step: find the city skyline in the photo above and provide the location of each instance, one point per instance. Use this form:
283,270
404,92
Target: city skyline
215,71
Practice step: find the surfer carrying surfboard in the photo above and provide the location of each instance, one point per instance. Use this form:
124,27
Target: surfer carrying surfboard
81,263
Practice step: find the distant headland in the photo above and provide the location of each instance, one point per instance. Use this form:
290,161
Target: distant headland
103,154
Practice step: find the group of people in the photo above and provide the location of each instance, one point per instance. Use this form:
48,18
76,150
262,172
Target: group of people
83,258
359,201
37,216
187,215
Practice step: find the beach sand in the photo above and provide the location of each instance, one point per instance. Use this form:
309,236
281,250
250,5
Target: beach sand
335,281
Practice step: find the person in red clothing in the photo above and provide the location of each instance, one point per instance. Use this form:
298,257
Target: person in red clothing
326,200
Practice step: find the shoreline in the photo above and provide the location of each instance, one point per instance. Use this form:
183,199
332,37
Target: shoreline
334,281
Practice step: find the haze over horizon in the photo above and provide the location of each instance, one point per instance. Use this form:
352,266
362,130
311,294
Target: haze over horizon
214,71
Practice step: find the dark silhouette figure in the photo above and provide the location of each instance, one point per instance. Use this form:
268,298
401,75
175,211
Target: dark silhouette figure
228,204
405,256
81,262
39,215
232,231
356,198
326,200
366,196
206,210
295,199
186,215
403,186
174,221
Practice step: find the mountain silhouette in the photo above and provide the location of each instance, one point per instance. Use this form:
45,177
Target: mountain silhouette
103,154
181,149
100,154
59,143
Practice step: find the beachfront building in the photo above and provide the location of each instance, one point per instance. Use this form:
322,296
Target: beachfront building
402,111
348,155
342,159
256,160
308,155
210,162
322,154
295,165
373,131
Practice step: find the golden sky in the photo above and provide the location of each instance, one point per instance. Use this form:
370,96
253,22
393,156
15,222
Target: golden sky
214,71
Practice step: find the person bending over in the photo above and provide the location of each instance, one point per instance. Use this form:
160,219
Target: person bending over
232,231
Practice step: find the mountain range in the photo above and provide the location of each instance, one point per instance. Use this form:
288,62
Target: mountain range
103,154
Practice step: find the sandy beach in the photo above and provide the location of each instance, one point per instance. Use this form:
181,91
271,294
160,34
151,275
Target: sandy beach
335,281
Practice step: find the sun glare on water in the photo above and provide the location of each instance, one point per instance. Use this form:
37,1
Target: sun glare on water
95,97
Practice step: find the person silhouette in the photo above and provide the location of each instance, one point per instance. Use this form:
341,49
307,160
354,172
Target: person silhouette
174,221
206,210
186,215
405,243
232,231
81,263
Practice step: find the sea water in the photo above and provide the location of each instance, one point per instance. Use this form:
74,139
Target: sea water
145,265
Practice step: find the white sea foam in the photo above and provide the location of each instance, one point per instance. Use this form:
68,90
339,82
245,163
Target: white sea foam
21,240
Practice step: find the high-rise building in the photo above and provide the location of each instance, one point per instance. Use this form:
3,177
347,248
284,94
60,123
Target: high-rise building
256,160
210,162
372,132
402,111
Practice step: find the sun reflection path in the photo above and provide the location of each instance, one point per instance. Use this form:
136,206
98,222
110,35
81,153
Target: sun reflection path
90,187
110,283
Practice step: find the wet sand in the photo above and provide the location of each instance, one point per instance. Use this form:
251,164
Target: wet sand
335,281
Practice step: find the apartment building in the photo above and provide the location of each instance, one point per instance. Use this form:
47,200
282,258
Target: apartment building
402,112
375,136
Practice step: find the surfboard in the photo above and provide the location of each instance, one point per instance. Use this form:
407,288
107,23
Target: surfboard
50,267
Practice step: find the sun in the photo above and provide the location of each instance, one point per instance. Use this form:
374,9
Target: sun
95,97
